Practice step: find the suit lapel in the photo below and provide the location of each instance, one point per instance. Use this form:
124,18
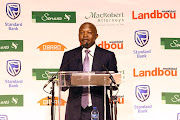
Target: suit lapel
79,66
96,60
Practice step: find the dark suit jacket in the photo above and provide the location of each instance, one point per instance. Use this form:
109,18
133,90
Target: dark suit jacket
101,57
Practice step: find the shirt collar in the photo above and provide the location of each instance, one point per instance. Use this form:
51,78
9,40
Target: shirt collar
92,48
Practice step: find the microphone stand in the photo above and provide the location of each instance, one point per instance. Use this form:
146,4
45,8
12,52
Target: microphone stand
52,100
111,88
53,82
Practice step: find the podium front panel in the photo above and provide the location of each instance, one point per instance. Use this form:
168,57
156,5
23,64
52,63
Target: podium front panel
75,80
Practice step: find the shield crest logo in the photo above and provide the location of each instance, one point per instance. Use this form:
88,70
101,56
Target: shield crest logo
13,67
142,92
13,10
141,37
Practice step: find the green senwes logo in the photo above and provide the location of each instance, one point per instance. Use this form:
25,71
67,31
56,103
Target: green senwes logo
170,43
42,74
11,100
53,17
11,45
170,98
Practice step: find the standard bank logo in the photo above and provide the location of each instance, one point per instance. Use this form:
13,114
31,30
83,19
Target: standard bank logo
142,92
3,117
178,116
13,10
13,67
141,37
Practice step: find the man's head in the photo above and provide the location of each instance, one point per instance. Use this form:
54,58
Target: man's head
87,34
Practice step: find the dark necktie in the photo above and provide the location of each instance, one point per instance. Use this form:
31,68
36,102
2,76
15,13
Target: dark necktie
84,98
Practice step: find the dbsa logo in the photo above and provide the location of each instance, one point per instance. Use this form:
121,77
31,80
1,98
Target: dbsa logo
141,37
142,92
13,67
13,10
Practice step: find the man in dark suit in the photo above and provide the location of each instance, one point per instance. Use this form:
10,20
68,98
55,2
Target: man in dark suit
101,59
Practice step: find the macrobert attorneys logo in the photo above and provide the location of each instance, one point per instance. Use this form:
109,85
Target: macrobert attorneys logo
13,10
13,67
142,92
51,46
141,37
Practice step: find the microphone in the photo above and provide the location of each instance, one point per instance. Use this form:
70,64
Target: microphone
111,77
50,80
54,76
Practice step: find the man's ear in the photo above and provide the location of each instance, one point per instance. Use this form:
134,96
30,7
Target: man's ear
96,36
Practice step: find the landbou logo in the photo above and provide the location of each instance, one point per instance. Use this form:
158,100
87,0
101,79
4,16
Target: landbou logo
3,117
156,14
53,17
11,100
42,74
11,45
170,98
156,72
51,46
141,37
118,99
170,43
47,101
142,92
13,67
111,45
13,10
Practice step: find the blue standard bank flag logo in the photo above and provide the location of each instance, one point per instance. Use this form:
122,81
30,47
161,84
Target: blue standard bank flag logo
13,10
3,117
13,67
141,37
142,92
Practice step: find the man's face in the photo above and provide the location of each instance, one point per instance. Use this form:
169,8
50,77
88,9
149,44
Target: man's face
87,34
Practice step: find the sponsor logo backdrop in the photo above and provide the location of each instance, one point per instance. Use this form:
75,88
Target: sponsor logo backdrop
143,34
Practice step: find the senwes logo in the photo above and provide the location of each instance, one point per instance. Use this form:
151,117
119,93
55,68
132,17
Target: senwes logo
155,15
111,45
170,43
53,17
51,46
42,74
47,101
170,98
11,100
156,72
11,45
